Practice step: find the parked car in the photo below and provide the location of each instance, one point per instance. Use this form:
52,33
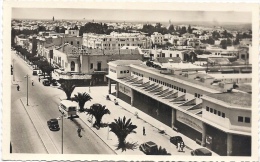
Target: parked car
201,152
176,139
53,124
34,72
46,82
149,148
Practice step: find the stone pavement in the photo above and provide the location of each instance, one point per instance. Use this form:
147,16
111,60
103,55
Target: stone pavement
143,120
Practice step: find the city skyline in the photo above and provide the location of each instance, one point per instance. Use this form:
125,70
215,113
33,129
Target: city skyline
216,17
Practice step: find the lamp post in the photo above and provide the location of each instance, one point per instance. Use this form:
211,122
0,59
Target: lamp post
108,131
61,117
27,76
62,134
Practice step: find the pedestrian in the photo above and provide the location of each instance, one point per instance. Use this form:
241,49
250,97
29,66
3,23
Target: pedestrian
79,131
144,131
39,79
179,146
32,83
18,87
182,146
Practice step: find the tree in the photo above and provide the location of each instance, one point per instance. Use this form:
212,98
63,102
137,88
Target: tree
223,44
183,30
122,128
161,151
171,29
81,98
68,87
98,111
189,29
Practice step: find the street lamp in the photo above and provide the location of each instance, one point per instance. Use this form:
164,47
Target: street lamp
61,132
27,76
108,130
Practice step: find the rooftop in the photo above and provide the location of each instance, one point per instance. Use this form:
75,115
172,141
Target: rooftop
245,88
234,98
181,78
125,62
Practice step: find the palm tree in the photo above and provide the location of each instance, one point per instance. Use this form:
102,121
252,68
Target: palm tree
81,98
98,111
68,87
161,151
122,128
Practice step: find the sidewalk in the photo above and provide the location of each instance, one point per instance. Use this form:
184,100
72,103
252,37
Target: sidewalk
123,109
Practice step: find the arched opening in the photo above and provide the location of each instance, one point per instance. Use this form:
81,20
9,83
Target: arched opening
72,66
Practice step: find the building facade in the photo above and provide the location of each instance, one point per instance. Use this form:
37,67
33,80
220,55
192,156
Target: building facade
189,102
115,40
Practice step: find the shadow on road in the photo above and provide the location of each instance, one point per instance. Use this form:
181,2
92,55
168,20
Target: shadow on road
75,121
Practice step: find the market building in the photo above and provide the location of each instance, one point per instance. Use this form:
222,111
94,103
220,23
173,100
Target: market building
196,104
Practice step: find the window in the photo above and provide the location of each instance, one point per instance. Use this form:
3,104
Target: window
91,66
72,66
174,87
196,95
247,120
211,110
215,111
177,55
207,108
71,42
124,71
223,115
177,88
170,55
240,119
219,113
121,72
77,42
184,90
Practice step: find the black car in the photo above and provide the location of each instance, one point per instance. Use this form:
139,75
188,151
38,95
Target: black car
46,82
201,152
176,139
149,148
53,124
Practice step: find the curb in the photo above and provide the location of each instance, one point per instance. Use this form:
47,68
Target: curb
96,134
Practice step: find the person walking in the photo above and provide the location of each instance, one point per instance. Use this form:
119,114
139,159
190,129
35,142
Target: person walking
32,83
39,79
18,87
144,131
181,146
79,131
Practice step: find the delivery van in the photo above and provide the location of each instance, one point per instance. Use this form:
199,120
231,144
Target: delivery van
68,108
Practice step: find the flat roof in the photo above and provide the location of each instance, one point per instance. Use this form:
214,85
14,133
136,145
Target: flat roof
181,78
125,62
234,98
244,87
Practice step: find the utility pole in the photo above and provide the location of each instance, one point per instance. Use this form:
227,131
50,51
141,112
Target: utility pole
62,135
27,76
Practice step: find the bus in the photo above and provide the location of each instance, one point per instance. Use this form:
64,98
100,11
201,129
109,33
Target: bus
68,108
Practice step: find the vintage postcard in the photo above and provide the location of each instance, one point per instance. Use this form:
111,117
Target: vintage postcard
130,81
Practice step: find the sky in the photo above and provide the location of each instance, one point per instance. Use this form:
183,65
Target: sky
131,15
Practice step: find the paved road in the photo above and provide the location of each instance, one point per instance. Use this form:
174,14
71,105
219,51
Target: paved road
44,103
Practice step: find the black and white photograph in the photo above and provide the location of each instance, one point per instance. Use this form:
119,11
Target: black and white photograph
103,80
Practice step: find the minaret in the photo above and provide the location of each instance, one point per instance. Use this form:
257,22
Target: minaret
53,18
